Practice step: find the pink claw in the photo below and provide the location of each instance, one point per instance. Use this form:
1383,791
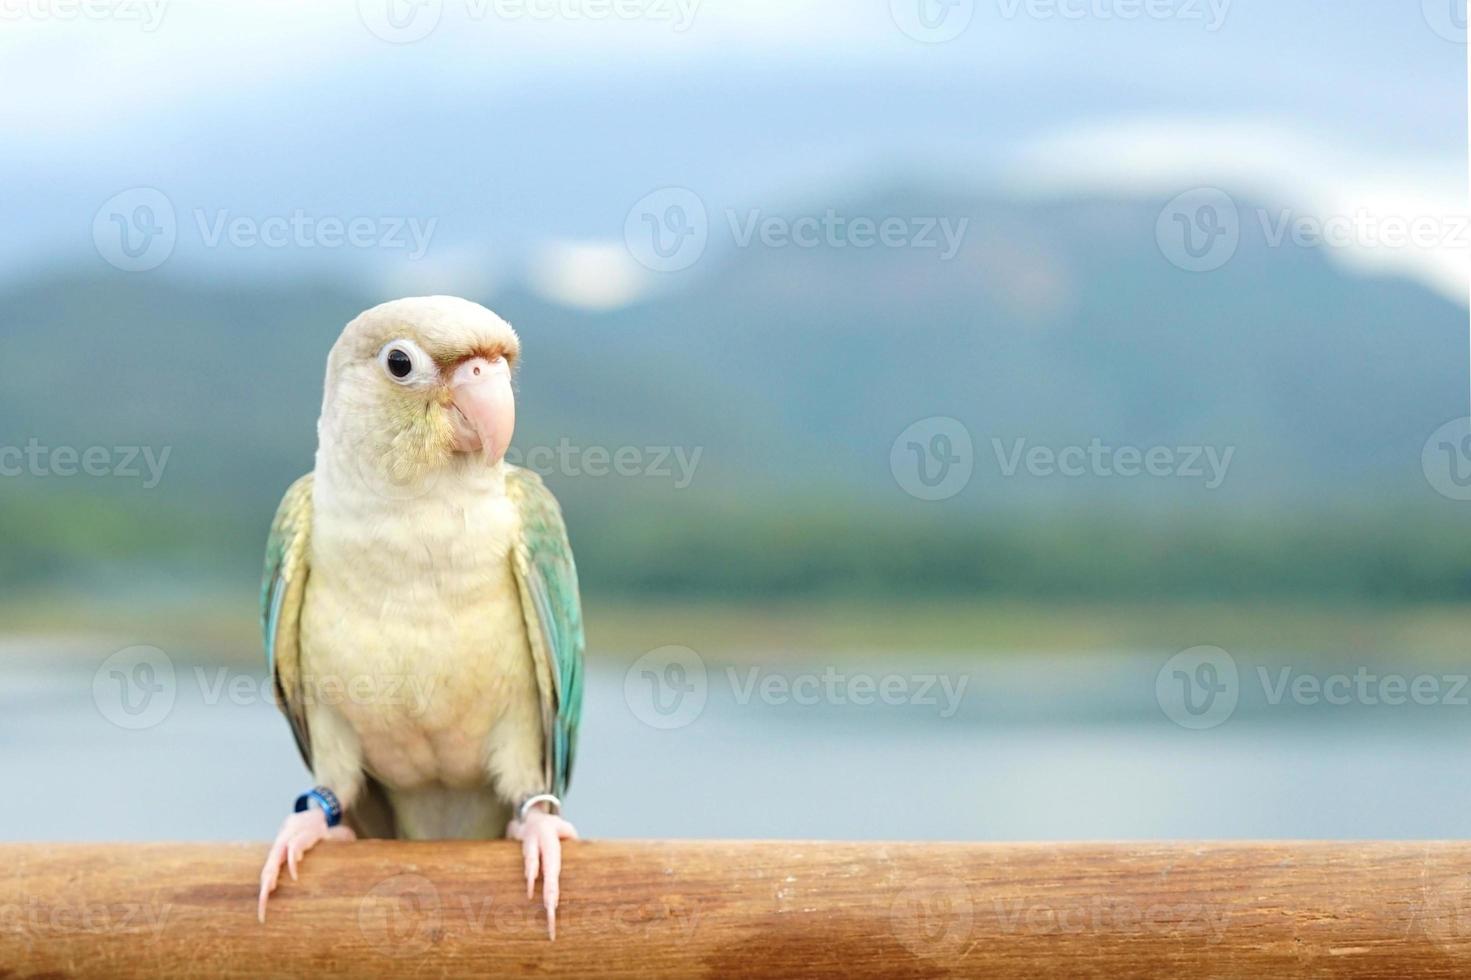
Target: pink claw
541,836
299,833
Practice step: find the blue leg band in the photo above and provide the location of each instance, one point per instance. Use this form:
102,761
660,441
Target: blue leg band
323,798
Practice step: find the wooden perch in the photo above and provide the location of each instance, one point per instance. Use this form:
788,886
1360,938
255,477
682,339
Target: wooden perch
752,909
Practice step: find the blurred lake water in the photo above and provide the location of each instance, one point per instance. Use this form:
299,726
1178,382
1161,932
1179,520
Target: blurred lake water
995,748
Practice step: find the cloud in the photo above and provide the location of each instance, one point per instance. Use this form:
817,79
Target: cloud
587,275
1357,195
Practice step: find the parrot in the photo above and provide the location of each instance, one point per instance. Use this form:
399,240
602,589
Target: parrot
420,607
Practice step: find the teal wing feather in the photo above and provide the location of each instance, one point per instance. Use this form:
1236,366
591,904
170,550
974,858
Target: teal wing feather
547,578
282,589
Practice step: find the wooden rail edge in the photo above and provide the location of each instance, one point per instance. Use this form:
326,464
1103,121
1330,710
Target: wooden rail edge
753,909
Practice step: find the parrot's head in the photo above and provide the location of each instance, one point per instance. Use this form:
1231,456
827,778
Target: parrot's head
419,384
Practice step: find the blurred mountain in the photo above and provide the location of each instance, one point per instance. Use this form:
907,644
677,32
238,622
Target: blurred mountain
791,371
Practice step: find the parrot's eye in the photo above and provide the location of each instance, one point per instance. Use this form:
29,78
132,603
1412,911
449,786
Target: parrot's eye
400,364
405,363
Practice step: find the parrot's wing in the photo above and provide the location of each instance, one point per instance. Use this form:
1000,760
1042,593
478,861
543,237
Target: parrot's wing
542,558
281,594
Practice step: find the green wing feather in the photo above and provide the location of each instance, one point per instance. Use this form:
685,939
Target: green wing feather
281,593
547,578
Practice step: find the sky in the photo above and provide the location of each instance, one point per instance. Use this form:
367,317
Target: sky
526,129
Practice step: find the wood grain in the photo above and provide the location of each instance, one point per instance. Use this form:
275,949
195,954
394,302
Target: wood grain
717,909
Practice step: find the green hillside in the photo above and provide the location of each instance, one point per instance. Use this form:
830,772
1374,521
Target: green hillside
761,401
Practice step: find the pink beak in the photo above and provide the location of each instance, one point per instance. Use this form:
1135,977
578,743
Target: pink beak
484,409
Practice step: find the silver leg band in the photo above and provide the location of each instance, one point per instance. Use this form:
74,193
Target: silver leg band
532,801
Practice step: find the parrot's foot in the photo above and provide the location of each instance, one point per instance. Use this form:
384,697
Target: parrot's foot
299,834
541,835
